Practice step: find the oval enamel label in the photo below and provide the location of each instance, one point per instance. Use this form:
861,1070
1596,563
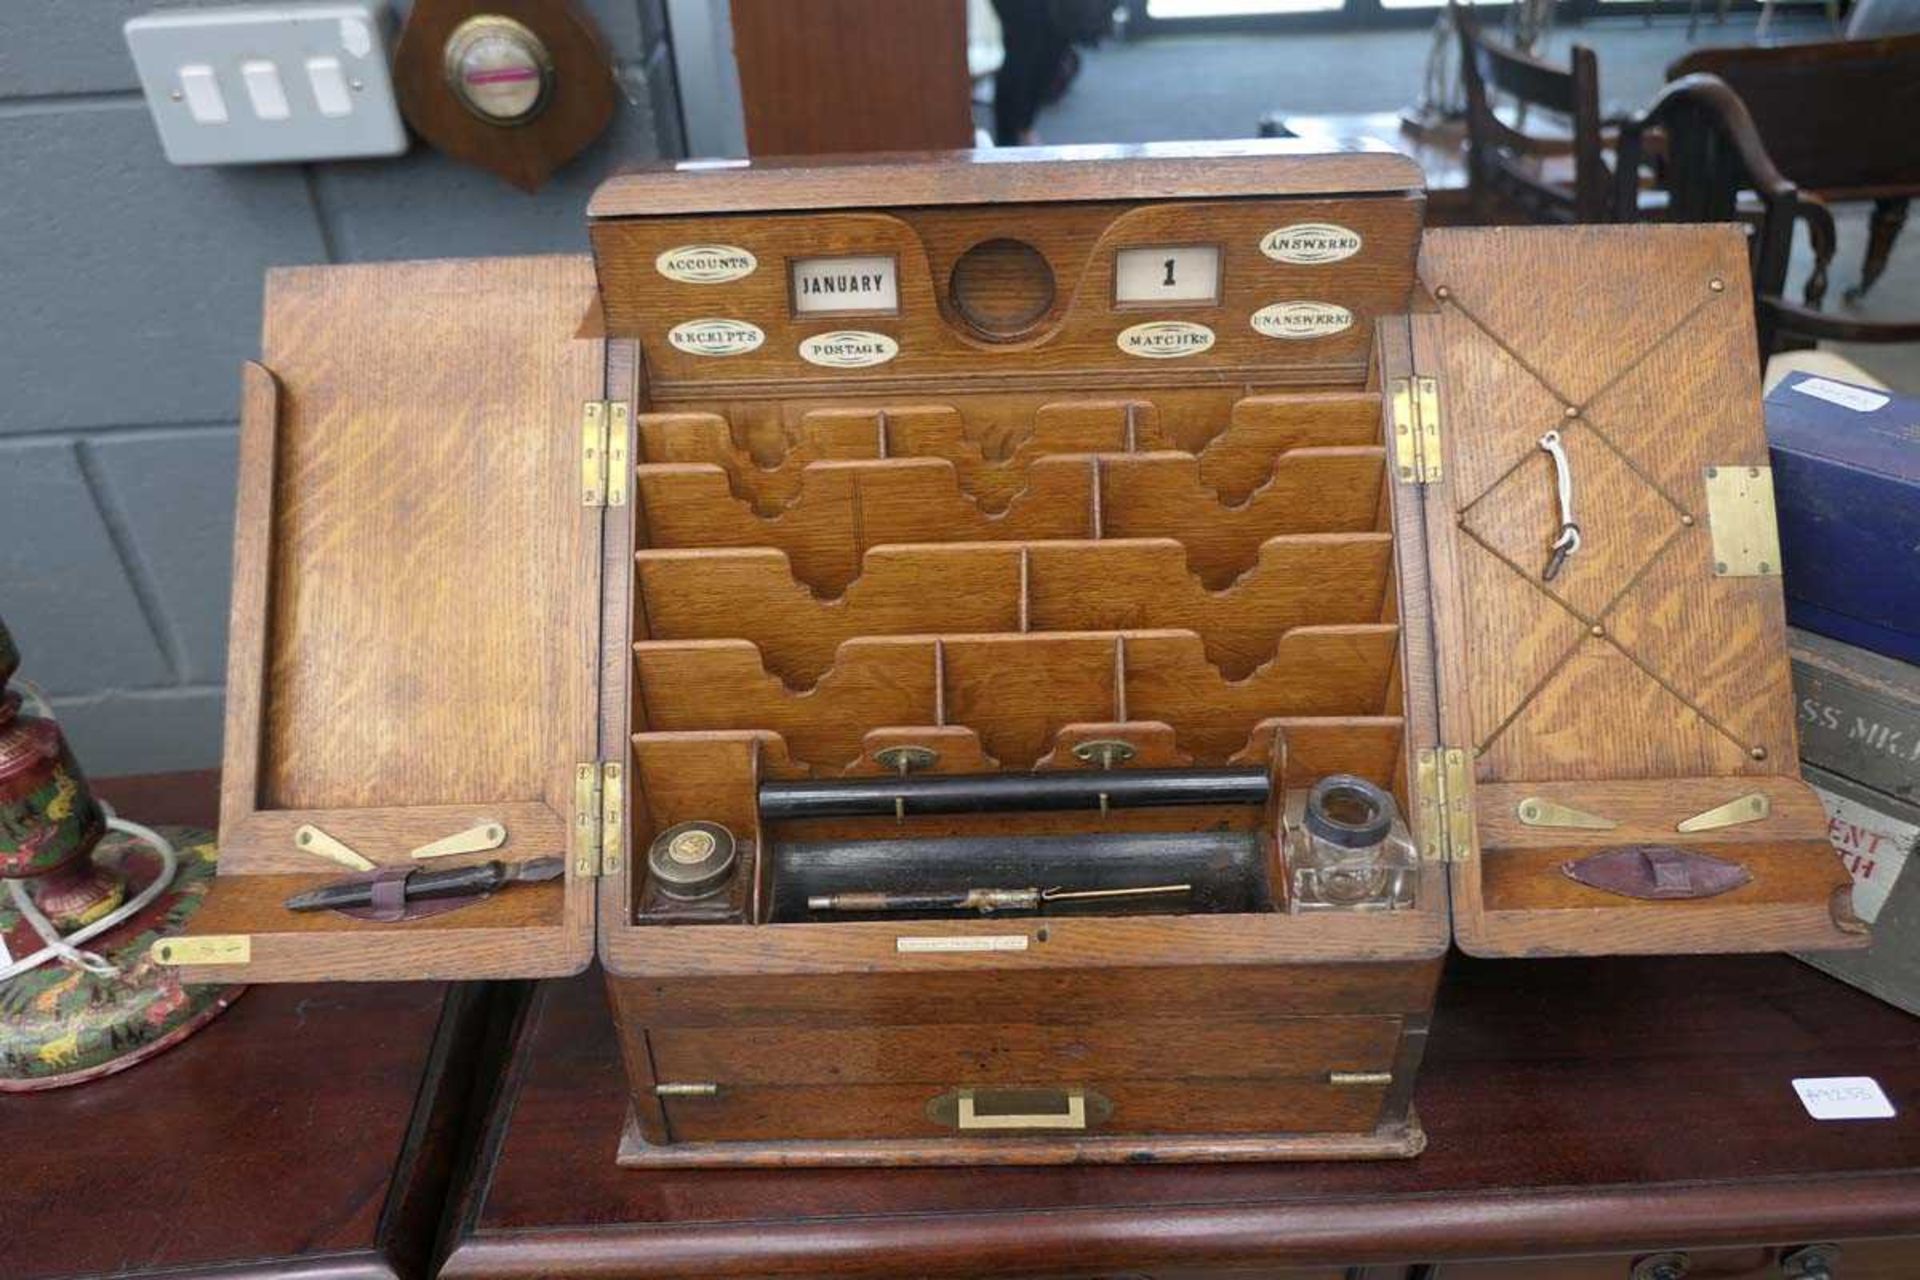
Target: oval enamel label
714,336
706,263
848,349
1301,319
1310,243
1165,339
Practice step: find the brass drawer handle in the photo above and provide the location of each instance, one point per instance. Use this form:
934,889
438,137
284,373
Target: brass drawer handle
1074,1117
1019,1109
1360,1079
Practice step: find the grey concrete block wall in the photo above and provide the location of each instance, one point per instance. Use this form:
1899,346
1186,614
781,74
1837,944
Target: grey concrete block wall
132,293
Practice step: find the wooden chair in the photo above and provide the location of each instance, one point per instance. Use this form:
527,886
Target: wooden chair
1507,166
1717,170
1837,117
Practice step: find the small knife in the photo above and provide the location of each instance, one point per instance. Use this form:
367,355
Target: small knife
454,882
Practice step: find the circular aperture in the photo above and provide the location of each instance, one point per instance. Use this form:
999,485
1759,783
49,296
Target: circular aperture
500,70
1348,811
1002,288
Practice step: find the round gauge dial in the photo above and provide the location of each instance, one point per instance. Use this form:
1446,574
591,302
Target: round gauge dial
498,69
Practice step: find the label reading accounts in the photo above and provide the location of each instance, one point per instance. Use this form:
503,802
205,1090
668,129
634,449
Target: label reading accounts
706,263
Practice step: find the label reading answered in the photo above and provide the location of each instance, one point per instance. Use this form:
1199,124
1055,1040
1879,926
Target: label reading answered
1843,1098
1307,244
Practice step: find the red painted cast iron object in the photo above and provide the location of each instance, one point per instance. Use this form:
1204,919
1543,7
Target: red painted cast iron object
86,896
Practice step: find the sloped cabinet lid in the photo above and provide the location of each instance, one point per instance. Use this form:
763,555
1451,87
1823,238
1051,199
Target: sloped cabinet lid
414,647
1621,716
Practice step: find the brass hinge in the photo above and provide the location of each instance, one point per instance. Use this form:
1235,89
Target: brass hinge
606,426
1443,779
598,818
1416,429
612,815
587,820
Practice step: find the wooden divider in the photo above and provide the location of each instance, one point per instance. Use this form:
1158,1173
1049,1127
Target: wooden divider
1296,580
991,459
958,588
1163,495
1238,460
1015,691
845,507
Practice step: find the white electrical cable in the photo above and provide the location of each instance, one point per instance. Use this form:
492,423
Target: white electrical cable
67,949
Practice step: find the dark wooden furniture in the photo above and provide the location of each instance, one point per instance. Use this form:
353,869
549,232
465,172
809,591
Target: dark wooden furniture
1033,471
1836,119
1508,168
309,1130
1714,165
1583,1113
830,76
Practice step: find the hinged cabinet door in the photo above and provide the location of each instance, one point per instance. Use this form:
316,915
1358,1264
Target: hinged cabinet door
415,650
1610,649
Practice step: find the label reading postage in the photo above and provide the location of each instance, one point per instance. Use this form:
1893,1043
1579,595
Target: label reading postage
1165,339
1309,244
848,349
715,336
1297,320
706,263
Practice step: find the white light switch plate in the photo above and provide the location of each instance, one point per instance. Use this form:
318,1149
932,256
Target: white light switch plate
265,83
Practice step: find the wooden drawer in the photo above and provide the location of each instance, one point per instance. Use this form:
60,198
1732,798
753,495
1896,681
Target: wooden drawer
1015,1053
1894,1259
789,1112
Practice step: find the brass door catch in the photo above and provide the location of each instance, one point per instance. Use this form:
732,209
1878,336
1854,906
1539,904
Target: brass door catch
1751,807
1537,811
1746,540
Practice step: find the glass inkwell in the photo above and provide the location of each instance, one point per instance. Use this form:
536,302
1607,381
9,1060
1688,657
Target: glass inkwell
1347,849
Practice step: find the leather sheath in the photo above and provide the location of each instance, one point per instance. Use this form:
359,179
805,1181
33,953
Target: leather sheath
1656,871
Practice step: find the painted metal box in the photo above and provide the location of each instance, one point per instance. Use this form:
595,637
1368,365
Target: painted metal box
1860,748
1846,464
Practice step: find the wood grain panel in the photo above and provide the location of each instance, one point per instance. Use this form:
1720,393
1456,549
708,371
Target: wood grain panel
1013,1053
1637,675
835,76
826,1112
425,538
1075,339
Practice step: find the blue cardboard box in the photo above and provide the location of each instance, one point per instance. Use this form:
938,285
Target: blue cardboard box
1846,484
